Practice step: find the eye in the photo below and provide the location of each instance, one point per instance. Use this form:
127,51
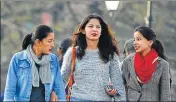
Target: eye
50,41
90,26
98,27
138,39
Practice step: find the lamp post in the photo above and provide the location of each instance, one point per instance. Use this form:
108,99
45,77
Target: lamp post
148,18
111,6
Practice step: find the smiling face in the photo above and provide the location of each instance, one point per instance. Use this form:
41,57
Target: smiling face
47,44
93,29
141,44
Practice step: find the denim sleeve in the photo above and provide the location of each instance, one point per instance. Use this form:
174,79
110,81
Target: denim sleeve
116,79
58,84
11,81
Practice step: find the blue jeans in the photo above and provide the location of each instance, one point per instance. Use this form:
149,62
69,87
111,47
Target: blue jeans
77,99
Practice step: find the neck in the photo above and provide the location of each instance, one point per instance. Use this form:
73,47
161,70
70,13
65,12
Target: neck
145,52
92,45
36,51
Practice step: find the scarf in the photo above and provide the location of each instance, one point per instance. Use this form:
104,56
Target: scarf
44,70
145,66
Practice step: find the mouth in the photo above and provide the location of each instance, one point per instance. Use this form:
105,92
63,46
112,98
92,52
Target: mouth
94,34
136,47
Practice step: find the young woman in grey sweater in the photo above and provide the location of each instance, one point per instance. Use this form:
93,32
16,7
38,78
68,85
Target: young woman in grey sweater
96,61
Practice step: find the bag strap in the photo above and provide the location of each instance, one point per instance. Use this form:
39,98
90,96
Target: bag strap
71,80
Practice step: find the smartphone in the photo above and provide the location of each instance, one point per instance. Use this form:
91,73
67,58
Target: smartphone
110,87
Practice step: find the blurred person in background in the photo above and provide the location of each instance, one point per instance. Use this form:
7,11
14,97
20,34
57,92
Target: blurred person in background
128,48
34,72
96,61
65,44
146,72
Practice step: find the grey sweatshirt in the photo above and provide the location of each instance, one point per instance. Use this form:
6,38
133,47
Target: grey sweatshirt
92,75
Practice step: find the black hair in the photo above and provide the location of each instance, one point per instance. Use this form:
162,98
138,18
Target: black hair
107,44
65,44
40,33
149,34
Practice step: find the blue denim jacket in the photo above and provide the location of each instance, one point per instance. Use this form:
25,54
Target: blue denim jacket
19,79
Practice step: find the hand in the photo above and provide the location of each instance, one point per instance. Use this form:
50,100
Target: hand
111,92
53,96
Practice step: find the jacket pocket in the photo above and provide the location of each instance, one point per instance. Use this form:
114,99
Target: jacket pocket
133,92
23,68
133,95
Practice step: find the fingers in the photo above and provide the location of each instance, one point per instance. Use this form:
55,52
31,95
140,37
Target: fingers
53,96
56,99
112,92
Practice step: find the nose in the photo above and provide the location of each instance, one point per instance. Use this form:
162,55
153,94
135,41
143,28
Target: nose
52,44
134,43
95,28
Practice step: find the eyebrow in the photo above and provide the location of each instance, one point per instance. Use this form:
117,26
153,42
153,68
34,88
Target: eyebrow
50,39
139,36
93,24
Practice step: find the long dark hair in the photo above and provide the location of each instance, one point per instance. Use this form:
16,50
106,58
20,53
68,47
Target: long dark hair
40,33
107,44
149,34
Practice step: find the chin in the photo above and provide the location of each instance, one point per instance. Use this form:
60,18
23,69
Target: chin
95,39
138,51
47,53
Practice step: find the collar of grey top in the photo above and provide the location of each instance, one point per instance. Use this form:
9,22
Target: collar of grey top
92,51
89,51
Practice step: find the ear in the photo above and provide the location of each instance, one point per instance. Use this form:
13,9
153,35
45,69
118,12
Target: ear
83,32
150,42
37,42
